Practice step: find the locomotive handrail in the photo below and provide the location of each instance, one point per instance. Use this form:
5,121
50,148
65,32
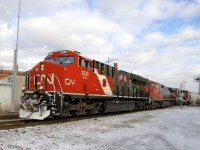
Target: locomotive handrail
35,81
27,81
59,83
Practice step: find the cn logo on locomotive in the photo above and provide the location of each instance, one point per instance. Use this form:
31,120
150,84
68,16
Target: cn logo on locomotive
42,77
69,81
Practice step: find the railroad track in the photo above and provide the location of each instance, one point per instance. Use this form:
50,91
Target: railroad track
6,117
19,123
14,123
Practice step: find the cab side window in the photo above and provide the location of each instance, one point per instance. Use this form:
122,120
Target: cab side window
88,64
84,63
81,62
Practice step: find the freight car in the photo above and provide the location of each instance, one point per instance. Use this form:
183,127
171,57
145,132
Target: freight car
182,95
67,83
194,98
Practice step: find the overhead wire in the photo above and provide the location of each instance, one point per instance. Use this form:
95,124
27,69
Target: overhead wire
165,68
166,43
186,36
162,44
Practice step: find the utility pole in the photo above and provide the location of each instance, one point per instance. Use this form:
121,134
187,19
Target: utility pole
111,60
197,79
13,96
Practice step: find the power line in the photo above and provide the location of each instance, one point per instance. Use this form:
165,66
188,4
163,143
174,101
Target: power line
190,36
111,60
165,68
167,43
171,39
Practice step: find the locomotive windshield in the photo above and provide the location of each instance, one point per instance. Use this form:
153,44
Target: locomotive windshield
65,59
49,59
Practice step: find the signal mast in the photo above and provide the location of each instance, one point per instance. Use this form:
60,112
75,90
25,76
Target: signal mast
197,79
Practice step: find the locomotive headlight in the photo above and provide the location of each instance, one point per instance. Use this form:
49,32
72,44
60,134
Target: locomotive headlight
23,88
41,88
42,67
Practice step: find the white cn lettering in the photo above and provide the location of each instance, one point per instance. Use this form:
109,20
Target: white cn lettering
50,79
69,81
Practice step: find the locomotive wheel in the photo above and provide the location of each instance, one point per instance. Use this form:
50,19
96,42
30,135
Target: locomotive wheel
88,112
73,113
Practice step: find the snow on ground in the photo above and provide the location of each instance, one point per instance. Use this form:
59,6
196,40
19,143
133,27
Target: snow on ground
168,129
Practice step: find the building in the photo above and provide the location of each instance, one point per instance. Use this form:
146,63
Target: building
6,90
194,98
5,97
6,73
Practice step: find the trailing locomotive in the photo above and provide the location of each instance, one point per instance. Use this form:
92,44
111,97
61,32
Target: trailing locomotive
69,84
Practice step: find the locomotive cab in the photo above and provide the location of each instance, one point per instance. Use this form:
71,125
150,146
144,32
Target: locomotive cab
61,57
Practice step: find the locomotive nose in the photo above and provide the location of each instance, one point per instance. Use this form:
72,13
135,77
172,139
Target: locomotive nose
33,106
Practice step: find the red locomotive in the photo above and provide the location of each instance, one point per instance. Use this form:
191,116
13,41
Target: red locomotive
160,95
67,83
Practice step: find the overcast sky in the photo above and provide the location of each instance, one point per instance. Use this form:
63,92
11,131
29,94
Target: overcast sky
157,39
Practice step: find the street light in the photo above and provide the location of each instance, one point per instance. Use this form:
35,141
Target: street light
13,96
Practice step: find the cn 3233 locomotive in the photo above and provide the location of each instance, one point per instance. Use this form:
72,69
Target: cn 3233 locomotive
69,84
